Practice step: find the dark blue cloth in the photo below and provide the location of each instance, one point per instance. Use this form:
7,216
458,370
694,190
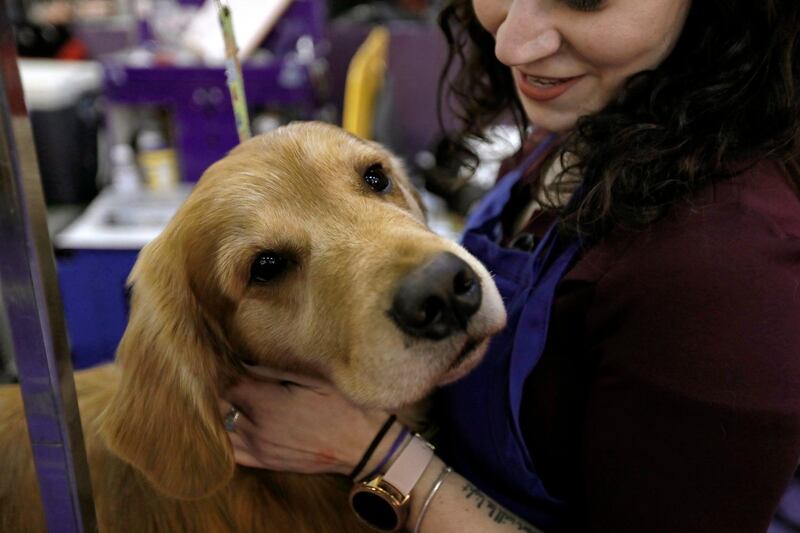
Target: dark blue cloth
480,433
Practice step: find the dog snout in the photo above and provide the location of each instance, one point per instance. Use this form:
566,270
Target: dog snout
438,298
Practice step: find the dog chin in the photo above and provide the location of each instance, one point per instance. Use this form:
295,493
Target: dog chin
465,362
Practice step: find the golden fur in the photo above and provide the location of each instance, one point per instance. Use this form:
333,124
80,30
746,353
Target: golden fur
159,457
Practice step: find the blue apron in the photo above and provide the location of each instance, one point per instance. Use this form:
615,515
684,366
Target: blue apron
480,434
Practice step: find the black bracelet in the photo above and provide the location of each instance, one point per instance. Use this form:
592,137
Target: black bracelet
371,448
395,445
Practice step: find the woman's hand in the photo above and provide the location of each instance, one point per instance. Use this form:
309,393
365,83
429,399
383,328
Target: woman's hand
297,424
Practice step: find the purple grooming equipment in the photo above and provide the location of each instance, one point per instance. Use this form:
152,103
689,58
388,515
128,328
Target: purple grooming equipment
31,314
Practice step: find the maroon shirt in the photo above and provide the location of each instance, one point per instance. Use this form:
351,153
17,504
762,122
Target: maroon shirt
668,396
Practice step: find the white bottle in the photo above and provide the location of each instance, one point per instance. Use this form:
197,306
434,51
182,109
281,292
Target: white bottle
125,177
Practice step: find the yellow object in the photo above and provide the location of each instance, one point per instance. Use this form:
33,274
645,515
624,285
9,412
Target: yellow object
365,77
160,169
233,73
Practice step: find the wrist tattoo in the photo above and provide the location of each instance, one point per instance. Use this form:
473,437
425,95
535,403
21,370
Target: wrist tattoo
494,510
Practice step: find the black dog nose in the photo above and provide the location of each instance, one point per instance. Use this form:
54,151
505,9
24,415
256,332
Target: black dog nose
437,298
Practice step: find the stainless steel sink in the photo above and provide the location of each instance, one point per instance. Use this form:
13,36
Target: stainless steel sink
138,215
122,221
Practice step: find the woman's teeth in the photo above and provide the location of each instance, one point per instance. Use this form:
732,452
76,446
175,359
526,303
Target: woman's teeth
545,82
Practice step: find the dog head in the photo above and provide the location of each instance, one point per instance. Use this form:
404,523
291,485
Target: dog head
304,249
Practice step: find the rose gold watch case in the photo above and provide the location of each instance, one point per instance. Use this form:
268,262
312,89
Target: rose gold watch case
378,487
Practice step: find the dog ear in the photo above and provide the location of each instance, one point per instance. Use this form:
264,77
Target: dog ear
163,418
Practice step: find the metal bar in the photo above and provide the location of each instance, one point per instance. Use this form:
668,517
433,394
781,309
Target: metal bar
33,310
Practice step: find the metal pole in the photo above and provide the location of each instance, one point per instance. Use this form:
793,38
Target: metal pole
33,309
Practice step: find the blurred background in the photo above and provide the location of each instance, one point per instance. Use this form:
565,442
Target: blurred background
129,105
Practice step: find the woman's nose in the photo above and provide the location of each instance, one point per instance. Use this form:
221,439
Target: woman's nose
528,33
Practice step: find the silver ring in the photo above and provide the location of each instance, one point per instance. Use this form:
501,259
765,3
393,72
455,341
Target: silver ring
231,418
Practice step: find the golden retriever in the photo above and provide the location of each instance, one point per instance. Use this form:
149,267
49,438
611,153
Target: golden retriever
304,249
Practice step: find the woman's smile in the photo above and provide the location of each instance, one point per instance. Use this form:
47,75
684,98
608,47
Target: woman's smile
547,43
543,89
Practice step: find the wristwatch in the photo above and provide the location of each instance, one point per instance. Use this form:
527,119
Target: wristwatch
382,501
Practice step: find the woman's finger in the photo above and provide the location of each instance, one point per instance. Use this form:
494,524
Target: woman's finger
248,391
225,407
283,458
239,423
241,443
245,455
244,427
303,380
241,452
247,436
245,459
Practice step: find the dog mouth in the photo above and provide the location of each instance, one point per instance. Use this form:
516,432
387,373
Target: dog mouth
468,358
465,352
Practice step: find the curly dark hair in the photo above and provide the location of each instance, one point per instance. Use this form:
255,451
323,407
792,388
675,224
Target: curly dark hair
727,96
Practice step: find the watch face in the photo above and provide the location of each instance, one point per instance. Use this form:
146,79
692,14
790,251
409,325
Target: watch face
374,510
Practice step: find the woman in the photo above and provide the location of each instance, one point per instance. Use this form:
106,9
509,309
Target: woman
649,378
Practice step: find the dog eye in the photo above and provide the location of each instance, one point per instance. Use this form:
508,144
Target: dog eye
267,266
377,179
